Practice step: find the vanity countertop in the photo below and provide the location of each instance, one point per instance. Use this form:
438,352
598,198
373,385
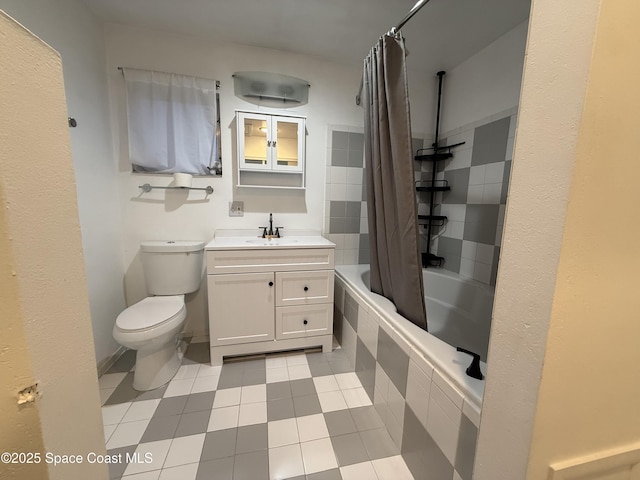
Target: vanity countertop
250,240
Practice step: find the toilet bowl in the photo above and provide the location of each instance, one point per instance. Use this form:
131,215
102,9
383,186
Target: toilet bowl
151,327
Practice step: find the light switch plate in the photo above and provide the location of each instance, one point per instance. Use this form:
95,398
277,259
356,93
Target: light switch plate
236,209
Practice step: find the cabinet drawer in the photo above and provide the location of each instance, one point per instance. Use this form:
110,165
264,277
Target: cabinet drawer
265,260
304,288
304,321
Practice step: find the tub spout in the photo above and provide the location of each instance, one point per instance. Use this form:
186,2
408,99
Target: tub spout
474,369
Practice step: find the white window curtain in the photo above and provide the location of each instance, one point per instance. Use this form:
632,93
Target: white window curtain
171,122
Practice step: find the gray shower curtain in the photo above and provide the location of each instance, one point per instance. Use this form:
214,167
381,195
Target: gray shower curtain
396,272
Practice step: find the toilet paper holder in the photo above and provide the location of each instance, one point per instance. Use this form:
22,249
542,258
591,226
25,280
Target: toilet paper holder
147,188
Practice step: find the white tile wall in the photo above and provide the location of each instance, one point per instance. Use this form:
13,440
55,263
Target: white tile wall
443,422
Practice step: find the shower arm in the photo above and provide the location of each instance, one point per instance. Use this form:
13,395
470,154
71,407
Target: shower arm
419,4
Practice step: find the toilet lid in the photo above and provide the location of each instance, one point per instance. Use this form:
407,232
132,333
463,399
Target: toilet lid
150,312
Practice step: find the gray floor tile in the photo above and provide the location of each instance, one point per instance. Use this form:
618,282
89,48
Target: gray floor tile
278,390
251,466
254,376
320,369
220,469
349,449
333,474
219,444
280,409
161,428
340,366
307,405
152,394
300,388
366,418
125,362
340,422
193,423
124,392
117,469
252,438
199,401
255,363
197,353
379,443
171,406
230,378
316,357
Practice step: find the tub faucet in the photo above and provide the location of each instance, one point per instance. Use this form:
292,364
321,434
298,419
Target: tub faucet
474,369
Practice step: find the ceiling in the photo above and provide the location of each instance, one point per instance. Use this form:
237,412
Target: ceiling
441,35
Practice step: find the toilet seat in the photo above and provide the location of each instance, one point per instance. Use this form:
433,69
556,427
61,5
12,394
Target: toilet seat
151,312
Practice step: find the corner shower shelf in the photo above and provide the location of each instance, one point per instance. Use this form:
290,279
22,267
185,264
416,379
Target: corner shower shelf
431,219
433,157
435,186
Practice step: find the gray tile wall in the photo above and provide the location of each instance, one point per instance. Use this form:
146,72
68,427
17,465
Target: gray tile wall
432,424
478,175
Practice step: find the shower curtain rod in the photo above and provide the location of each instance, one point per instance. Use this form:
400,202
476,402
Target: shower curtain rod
419,4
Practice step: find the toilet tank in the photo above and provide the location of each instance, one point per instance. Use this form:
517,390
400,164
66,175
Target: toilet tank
172,267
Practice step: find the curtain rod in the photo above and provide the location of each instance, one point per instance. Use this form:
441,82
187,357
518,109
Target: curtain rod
171,73
419,4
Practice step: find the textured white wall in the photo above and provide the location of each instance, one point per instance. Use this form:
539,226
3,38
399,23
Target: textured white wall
71,29
169,214
487,83
47,270
553,91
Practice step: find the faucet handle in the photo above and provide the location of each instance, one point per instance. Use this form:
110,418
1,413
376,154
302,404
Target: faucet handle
264,231
474,369
278,231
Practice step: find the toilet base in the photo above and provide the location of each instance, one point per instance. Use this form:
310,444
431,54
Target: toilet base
155,368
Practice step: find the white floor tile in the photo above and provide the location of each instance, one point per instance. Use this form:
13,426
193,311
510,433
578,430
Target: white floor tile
127,434
348,380
392,468
277,374
208,370
297,372
285,462
327,383
253,394
187,371
227,397
296,360
112,414
359,471
108,430
185,450
105,393
356,397
312,427
318,456
222,418
141,410
283,432
183,472
332,401
152,452
205,384
179,387
111,380
143,476
252,414
276,362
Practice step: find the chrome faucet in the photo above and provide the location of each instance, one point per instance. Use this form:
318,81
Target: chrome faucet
267,232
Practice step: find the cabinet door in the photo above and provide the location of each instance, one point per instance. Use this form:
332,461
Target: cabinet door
288,143
241,308
254,141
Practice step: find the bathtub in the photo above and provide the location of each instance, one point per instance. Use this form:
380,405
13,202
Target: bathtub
458,314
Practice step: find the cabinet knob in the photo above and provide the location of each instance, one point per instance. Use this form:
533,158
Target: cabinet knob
305,322
271,284
306,289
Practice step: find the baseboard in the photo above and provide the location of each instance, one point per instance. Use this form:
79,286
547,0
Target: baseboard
616,464
108,362
200,338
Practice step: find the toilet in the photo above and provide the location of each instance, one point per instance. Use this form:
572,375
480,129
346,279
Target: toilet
151,326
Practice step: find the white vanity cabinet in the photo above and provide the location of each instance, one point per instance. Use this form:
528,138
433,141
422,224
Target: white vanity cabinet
269,299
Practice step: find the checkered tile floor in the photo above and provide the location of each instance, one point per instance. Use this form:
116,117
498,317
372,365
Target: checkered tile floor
284,416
